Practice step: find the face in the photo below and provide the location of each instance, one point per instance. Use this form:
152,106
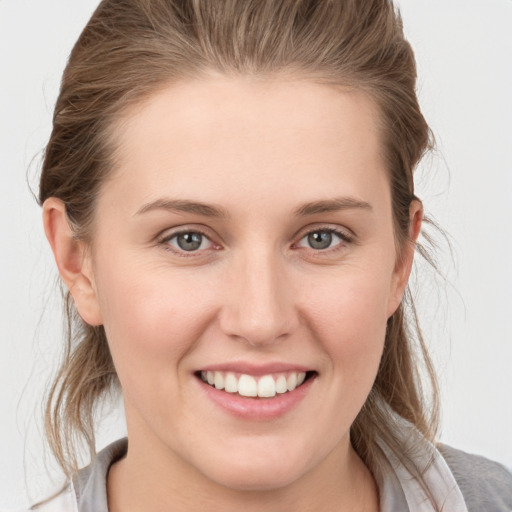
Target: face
246,238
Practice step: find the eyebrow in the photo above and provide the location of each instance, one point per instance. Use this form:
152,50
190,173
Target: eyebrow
185,206
210,210
332,205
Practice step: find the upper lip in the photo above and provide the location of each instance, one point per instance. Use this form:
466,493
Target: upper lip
255,369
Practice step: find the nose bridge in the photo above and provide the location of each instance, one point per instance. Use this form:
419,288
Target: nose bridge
260,307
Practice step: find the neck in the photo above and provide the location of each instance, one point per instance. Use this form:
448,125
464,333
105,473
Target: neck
151,478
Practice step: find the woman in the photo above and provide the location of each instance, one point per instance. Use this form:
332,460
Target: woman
228,193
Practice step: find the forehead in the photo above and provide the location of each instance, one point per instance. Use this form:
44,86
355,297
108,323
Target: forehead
228,136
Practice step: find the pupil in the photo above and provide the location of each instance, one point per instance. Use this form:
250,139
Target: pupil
189,241
320,239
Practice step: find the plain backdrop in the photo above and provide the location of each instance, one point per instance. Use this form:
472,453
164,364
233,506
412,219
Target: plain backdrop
464,54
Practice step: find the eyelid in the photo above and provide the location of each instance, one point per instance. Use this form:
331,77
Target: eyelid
342,231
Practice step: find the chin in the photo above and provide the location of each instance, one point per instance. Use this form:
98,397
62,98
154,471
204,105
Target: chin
266,469
261,478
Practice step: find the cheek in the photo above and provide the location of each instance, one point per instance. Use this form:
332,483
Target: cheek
349,316
152,320
347,319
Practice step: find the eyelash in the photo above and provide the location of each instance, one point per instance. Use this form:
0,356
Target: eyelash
343,236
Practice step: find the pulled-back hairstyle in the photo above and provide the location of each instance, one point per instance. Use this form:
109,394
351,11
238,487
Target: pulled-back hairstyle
132,48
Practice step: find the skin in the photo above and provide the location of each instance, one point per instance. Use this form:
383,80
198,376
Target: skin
256,291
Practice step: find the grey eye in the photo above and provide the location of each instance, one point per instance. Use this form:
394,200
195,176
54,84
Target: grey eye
189,241
320,239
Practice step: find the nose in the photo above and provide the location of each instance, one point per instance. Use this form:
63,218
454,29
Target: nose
259,307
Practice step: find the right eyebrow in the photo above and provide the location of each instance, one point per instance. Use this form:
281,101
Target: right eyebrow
332,205
184,206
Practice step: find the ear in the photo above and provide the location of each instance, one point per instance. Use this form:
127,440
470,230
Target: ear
73,260
404,262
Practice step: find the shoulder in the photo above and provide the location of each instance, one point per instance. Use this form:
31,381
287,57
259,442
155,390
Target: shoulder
485,484
87,491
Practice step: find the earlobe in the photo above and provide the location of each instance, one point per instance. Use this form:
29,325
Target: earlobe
404,263
73,260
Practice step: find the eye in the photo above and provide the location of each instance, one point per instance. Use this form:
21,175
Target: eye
188,241
322,239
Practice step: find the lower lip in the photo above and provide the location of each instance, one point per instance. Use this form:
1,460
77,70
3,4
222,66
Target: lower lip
257,409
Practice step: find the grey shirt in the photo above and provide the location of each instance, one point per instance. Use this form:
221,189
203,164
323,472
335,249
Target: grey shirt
486,485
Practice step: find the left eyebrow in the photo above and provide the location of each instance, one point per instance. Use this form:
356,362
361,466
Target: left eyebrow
184,206
332,205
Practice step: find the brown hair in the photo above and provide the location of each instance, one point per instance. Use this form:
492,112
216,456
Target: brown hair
128,50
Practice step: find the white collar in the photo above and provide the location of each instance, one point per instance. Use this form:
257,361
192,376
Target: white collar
401,491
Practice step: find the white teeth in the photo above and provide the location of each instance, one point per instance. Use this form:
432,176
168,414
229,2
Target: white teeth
281,384
291,381
219,380
266,386
231,383
247,386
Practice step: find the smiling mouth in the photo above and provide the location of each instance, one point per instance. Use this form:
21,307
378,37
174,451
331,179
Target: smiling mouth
264,386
